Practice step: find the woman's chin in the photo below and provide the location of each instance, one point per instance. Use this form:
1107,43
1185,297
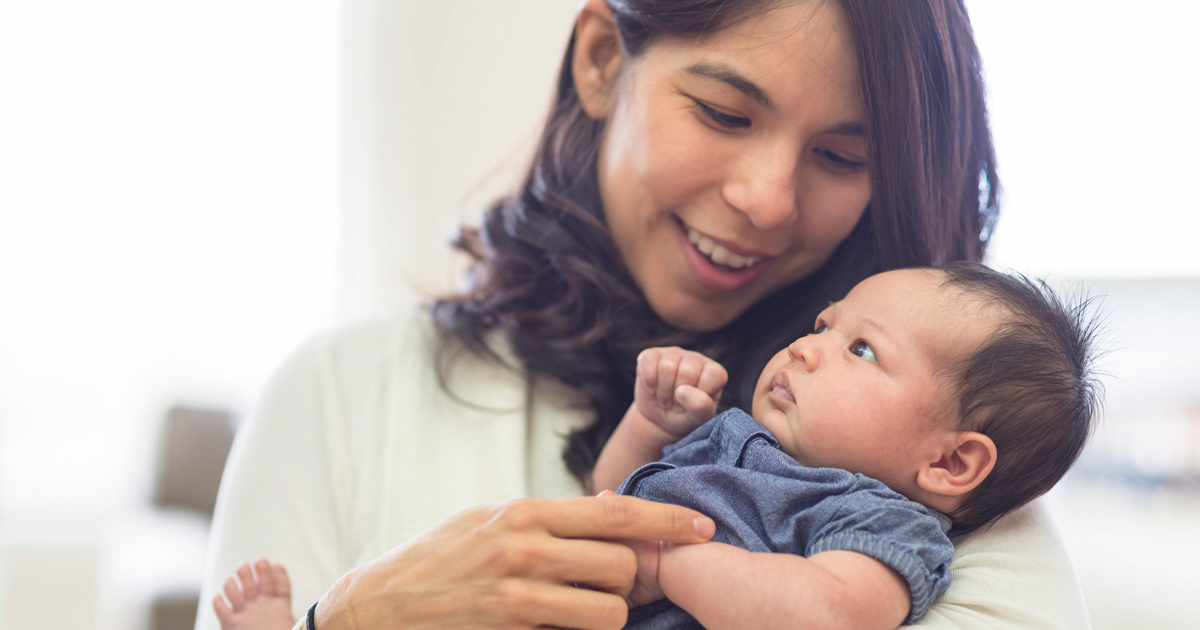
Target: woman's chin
697,317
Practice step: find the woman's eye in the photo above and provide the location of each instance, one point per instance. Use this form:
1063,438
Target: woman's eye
838,161
821,327
722,119
864,350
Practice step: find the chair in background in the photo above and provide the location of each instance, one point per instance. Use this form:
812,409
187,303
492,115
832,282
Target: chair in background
155,557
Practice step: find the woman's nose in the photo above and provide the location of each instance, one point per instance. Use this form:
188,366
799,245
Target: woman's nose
762,185
806,350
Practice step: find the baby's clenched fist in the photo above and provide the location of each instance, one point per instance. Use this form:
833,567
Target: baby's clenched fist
677,389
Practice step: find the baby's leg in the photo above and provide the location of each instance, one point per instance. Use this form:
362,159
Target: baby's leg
260,603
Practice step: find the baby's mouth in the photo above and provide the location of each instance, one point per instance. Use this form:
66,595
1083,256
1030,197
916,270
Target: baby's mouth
717,253
780,388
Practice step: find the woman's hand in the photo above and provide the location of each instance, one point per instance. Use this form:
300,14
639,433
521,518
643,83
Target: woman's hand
524,564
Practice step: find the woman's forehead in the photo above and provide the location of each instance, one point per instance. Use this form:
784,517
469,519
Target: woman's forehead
796,54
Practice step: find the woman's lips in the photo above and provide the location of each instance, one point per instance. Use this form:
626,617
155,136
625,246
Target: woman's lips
715,276
781,389
718,252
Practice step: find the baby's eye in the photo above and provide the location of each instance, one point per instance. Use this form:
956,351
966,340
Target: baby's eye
864,350
820,328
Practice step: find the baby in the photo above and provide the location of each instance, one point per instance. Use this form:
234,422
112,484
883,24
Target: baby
927,402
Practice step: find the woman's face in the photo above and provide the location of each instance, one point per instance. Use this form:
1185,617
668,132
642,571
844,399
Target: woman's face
734,164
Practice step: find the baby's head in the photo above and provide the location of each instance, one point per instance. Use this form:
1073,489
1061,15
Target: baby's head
962,388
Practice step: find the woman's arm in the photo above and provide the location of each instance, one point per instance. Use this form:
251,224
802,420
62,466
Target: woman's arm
726,587
293,491
280,495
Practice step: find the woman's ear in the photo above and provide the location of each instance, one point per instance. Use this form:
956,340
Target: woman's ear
597,58
965,463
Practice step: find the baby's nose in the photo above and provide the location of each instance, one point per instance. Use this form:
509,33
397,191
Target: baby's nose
805,350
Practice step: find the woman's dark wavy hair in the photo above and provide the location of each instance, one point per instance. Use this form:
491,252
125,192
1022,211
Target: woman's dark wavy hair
1031,388
548,275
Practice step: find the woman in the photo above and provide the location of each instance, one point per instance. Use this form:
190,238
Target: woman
712,174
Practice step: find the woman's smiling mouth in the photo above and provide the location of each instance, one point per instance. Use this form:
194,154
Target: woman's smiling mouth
718,253
718,265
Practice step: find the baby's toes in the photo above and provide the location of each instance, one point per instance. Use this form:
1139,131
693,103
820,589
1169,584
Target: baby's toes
283,585
249,585
234,594
223,611
266,577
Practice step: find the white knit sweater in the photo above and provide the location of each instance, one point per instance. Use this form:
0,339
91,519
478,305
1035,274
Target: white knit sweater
356,447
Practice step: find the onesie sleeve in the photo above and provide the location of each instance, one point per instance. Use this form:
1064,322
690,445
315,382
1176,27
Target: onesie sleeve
895,531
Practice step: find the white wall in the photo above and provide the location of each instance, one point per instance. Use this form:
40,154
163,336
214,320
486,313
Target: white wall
444,101
169,181
1093,108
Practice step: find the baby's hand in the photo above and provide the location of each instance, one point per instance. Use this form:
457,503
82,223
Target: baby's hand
677,389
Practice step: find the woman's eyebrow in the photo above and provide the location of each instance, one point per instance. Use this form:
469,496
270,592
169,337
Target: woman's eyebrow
847,129
733,79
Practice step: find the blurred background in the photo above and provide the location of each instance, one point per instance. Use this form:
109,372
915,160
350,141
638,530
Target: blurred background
189,190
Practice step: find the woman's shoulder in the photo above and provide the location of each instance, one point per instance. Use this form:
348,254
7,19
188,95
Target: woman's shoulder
1014,574
363,360
373,339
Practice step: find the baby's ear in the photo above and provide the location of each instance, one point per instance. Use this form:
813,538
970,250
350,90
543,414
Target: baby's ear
967,460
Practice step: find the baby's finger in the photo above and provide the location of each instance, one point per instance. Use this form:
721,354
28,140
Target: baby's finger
668,365
695,401
647,369
712,379
690,367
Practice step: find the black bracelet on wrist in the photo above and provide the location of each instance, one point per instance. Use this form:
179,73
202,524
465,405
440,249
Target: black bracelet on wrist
309,623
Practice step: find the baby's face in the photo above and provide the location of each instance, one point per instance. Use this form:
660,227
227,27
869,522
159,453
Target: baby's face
863,391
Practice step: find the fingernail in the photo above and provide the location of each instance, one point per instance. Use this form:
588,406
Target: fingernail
704,526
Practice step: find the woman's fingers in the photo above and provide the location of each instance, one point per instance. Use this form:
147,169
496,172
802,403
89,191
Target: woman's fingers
599,565
559,606
615,517
509,564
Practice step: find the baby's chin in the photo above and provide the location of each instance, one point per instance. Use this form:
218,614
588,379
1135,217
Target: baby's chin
777,422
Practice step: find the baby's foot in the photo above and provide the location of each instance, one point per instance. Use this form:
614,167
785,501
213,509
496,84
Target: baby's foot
262,602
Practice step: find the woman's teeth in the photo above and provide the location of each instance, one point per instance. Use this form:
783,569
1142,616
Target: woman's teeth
718,254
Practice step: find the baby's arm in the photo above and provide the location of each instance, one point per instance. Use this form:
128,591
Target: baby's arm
723,586
676,391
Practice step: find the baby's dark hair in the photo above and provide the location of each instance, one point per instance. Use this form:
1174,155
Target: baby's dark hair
1031,388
